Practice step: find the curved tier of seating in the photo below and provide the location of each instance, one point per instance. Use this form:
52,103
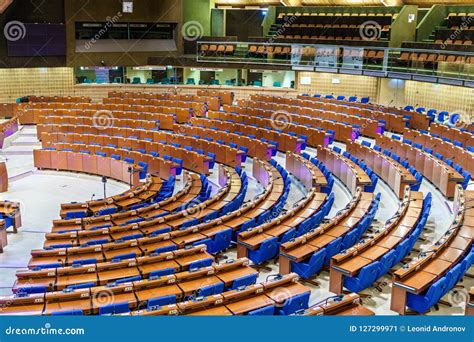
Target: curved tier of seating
342,305
305,106
103,114
316,131
167,237
253,147
420,285
464,136
442,175
153,142
360,266
388,169
86,274
308,254
347,170
281,296
131,224
134,292
261,242
451,151
394,119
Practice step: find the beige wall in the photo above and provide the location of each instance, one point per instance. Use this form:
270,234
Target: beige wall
441,97
348,85
15,83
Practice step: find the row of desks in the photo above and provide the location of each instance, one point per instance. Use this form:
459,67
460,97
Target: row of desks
351,174
309,206
443,176
392,172
346,305
439,258
305,124
303,247
369,126
466,138
190,191
274,293
459,155
263,172
395,231
153,141
136,293
102,273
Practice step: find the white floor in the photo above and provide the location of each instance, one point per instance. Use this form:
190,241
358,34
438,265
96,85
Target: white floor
41,193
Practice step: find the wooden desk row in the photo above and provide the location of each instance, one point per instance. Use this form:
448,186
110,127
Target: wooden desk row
393,122
310,126
303,247
443,176
434,263
7,128
59,99
285,142
393,173
102,273
396,229
92,164
346,305
368,126
274,293
10,210
466,138
256,148
459,155
351,174
198,104
192,187
161,142
136,293
53,123
263,172
143,222
104,113
191,160
253,238
417,120
135,195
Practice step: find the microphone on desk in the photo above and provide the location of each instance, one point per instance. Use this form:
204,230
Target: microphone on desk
92,197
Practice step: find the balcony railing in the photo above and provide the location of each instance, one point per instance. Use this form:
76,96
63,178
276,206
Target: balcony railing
436,66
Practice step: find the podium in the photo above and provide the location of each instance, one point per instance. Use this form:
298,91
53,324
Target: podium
3,177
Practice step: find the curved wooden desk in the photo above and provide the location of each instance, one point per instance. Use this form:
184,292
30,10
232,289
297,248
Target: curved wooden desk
367,251
434,263
393,173
351,174
443,176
